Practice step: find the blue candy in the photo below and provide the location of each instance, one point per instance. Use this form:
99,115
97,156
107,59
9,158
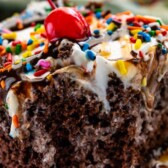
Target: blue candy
1,40
145,36
85,47
108,21
29,67
41,44
98,15
30,42
145,26
96,32
164,51
90,55
109,32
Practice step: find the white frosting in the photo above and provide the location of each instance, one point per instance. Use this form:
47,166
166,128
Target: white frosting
24,34
79,58
38,7
31,78
12,100
13,105
99,81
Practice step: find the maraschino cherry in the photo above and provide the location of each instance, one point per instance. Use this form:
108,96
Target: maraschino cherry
66,22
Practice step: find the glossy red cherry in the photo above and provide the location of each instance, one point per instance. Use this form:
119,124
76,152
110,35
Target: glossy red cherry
66,22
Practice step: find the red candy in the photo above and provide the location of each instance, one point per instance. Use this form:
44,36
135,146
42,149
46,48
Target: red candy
68,23
6,64
141,54
9,57
40,72
14,43
164,33
132,40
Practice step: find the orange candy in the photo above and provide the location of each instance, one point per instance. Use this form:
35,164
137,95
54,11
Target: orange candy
46,47
124,13
145,19
15,121
164,27
134,28
2,50
2,84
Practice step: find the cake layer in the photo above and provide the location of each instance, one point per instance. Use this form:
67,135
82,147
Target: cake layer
69,128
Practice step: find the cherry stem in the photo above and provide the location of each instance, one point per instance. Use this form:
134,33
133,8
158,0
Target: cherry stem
52,4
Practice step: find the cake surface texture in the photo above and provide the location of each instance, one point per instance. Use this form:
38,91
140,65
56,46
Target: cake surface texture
82,88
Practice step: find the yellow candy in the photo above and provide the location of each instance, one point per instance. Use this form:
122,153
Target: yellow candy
27,54
9,35
144,82
49,77
17,62
133,32
30,47
41,30
136,36
138,44
36,42
121,66
111,26
33,37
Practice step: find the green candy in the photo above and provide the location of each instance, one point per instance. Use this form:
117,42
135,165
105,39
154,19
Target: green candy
48,9
160,45
23,60
37,27
8,50
98,10
18,49
6,106
159,22
152,33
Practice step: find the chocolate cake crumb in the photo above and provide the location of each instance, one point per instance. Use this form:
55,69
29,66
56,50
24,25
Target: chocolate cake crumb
67,128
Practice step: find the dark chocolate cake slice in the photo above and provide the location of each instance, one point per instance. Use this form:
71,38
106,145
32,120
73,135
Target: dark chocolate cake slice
76,100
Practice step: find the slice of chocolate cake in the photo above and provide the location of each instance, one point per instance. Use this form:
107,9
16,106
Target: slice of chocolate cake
73,96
